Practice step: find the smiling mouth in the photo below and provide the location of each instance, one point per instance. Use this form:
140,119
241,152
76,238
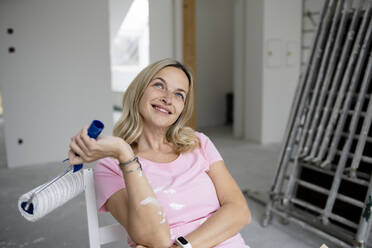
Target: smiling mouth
156,107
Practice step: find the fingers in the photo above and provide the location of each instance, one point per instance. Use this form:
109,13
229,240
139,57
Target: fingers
85,138
78,148
73,158
81,147
83,141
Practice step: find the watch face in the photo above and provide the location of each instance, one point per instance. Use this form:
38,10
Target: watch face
182,240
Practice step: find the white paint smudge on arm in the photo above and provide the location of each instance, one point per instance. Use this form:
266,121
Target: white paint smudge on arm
163,219
149,200
157,189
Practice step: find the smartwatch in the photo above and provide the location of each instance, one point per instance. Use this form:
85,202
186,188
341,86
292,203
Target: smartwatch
182,242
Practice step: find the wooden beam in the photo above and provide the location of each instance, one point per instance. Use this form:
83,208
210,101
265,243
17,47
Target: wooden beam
189,47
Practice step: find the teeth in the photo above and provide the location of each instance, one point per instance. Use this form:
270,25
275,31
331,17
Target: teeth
162,110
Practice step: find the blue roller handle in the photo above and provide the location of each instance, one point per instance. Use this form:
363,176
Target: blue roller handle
94,131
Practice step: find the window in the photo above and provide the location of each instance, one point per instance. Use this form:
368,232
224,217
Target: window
130,47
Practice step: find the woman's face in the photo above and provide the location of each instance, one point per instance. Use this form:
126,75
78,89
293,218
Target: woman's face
164,98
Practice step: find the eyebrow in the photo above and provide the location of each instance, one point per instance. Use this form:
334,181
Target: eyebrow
162,79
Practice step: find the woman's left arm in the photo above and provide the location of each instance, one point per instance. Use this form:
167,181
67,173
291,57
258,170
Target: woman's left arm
230,218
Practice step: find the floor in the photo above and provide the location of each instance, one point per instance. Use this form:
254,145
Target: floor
252,165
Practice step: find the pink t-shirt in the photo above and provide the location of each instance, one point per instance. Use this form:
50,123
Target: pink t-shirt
183,188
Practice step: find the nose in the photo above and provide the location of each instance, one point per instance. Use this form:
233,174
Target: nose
166,98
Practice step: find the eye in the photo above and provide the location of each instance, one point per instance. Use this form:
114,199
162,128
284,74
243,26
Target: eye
158,85
179,95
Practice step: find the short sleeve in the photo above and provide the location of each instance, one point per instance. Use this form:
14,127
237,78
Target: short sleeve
108,179
208,149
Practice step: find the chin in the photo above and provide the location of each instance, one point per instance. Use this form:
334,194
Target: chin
162,125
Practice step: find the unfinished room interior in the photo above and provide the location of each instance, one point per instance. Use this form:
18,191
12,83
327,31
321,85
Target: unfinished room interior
186,123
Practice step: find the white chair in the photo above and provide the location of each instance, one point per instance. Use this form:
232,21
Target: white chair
98,235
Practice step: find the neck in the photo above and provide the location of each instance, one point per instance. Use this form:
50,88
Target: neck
152,139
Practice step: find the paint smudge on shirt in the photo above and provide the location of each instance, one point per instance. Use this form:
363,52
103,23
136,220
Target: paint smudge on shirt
169,191
176,206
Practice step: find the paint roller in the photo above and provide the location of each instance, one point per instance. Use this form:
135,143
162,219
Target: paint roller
43,199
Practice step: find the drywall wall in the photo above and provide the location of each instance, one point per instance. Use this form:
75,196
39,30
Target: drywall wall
268,34
161,30
253,71
281,70
57,80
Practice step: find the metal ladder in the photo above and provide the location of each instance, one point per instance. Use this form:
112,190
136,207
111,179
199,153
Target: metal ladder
323,180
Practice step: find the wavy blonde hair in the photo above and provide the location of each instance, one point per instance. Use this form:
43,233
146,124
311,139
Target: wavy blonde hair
129,127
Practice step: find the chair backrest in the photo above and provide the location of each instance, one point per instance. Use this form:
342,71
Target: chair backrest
98,235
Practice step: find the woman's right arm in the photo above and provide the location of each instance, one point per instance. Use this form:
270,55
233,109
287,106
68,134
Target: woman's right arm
137,209
136,206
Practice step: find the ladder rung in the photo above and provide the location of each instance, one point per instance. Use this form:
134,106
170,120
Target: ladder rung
322,190
331,173
320,211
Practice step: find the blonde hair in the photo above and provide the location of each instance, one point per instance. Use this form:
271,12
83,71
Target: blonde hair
129,126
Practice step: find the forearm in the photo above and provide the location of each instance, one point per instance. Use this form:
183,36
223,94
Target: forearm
147,223
223,224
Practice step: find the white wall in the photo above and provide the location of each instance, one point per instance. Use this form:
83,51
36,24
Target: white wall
59,78
214,60
270,44
239,67
282,23
253,71
165,29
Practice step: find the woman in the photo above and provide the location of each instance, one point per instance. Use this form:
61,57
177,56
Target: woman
165,183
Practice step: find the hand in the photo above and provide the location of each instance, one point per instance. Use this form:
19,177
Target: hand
85,149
